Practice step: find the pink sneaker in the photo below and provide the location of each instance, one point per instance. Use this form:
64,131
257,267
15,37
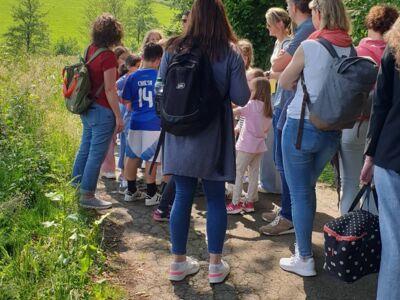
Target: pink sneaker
234,209
248,207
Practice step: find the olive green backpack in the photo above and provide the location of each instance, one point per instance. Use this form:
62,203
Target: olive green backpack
76,86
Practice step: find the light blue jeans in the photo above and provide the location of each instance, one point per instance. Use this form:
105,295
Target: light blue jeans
269,177
387,184
352,146
98,128
302,169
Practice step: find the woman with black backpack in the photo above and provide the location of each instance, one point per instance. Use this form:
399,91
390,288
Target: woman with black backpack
208,154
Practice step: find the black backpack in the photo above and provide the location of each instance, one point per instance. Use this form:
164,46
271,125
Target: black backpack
191,99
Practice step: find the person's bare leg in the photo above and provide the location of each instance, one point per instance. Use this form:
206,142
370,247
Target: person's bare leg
151,178
131,166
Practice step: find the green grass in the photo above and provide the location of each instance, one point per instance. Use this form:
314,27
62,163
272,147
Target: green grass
65,18
49,249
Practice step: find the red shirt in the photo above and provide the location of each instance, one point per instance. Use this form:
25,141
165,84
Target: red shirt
105,61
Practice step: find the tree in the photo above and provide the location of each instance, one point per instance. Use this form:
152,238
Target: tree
29,32
96,7
248,20
140,19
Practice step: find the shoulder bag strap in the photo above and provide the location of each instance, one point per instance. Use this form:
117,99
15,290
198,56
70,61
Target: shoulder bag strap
357,199
306,101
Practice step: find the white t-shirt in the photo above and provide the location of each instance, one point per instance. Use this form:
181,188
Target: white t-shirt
317,61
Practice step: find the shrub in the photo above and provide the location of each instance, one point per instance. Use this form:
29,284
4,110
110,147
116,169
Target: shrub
66,47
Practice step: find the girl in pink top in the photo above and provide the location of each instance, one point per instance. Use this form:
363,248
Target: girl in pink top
251,143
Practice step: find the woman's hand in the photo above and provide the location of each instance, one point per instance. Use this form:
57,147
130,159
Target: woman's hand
119,124
367,171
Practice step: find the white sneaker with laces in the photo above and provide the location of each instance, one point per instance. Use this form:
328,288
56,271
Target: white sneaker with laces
151,201
218,273
178,271
303,266
130,197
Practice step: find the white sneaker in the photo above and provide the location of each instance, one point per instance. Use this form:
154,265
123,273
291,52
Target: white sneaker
178,271
123,187
109,175
262,190
301,266
151,201
218,273
130,197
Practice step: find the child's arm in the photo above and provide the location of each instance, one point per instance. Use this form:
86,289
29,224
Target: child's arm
237,111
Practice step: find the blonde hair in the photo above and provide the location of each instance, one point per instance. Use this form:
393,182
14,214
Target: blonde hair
392,38
149,34
274,15
246,49
333,14
262,92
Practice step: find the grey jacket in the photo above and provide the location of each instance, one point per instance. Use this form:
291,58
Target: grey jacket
197,155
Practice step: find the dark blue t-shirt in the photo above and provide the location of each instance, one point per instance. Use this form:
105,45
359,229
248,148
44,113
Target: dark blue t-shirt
139,89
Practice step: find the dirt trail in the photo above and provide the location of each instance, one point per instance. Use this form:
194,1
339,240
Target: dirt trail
139,255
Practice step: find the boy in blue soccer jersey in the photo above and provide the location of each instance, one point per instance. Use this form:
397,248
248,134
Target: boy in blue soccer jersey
144,128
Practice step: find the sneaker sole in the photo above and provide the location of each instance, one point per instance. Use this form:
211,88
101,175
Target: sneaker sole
290,231
234,212
217,279
267,220
151,204
183,276
249,210
302,274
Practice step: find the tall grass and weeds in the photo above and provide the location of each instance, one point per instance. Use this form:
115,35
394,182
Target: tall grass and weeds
49,249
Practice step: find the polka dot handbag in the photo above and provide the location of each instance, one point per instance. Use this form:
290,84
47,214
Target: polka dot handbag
353,242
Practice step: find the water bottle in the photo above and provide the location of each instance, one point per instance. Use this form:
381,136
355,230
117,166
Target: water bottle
158,90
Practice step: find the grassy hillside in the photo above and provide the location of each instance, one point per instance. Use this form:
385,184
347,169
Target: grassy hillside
65,18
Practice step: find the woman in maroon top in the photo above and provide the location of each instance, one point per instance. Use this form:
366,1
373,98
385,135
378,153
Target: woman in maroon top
103,117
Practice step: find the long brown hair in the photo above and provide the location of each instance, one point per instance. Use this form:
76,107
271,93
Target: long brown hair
262,92
208,28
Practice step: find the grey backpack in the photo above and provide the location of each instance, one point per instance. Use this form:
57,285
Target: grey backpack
344,92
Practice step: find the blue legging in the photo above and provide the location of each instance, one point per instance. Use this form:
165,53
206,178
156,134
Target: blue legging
181,211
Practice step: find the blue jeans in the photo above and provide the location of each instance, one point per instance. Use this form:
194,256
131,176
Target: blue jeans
302,169
123,135
181,211
98,128
286,202
388,188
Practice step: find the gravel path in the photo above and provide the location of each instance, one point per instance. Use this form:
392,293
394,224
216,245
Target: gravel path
139,255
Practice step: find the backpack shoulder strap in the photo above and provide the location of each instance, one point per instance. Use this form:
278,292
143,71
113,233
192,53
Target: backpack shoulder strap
306,101
353,51
95,54
328,46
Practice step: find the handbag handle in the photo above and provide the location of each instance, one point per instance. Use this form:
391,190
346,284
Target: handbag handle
357,199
